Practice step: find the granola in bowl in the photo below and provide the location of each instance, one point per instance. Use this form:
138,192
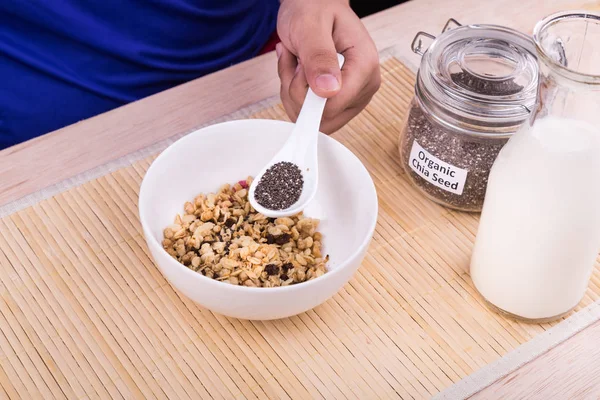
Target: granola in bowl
221,236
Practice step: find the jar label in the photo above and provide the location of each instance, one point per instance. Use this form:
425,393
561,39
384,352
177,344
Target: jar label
435,171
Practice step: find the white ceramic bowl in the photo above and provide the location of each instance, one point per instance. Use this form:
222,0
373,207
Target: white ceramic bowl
202,161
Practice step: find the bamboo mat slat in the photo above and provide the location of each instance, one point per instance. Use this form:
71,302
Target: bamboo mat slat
85,314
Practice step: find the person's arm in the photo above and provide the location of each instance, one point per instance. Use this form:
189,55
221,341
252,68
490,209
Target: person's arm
312,32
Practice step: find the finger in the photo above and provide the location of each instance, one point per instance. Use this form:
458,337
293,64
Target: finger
352,99
286,65
361,73
292,109
332,120
299,87
362,79
332,125
318,57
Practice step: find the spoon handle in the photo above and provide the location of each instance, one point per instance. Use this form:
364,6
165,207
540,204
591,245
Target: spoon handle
309,119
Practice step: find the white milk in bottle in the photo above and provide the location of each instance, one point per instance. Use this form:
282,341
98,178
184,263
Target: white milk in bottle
539,233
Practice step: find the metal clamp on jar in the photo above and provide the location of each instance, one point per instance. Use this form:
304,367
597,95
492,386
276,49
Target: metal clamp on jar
475,87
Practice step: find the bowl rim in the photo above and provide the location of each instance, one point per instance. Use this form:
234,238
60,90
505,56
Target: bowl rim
176,264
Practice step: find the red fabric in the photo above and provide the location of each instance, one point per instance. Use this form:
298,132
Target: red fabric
270,45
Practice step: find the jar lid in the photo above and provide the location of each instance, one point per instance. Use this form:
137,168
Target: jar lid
484,76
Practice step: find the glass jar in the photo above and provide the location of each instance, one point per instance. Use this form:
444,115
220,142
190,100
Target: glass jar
475,87
539,234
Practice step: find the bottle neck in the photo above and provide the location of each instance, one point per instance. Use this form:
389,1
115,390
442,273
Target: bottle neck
569,74
561,97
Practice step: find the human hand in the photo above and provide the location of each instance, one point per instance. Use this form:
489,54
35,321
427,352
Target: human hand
311,33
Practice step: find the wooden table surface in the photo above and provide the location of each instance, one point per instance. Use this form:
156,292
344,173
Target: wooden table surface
567,371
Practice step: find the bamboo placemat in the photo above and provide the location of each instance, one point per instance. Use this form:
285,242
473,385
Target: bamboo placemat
85,314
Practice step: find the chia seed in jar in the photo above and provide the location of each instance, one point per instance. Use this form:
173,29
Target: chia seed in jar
474,89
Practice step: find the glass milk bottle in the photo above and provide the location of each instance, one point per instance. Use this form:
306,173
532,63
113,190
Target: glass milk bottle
539,234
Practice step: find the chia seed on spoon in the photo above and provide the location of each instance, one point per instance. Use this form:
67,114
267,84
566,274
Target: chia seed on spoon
280,186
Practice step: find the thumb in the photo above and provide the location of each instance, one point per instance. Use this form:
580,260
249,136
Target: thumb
319,59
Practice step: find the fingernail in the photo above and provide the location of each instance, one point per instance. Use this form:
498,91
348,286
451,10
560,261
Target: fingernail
327,82
278,50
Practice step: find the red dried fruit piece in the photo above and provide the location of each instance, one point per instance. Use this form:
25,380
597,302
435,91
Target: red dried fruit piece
243,184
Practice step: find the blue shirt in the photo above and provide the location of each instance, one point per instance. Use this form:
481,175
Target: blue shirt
62,61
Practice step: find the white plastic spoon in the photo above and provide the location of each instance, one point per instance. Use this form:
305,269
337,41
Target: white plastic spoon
300,149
